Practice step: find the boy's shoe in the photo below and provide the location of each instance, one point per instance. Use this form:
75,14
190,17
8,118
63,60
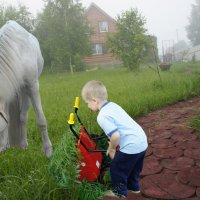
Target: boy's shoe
110,193
136,192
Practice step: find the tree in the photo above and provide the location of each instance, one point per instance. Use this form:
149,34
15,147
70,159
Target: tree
152,54
180,46
20,14
193,29
130,43
63,33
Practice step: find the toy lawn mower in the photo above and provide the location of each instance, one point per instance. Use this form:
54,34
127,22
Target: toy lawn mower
92,165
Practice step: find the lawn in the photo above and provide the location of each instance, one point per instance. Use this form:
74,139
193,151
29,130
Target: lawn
27,174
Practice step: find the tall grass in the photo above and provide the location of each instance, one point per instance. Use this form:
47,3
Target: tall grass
196,124
25,174
138,93
187,67
64,166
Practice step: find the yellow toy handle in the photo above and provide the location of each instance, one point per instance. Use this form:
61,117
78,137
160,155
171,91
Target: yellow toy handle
76,102
71,119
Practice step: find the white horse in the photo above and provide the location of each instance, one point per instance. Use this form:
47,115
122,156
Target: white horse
21,64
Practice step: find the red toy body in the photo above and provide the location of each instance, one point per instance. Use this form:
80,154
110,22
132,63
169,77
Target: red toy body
91,161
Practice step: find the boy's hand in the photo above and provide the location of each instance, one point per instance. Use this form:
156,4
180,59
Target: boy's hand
110,151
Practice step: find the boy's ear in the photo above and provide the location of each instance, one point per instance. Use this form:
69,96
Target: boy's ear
94,99
97,101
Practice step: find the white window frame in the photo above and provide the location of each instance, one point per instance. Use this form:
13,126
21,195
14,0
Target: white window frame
97,49
103,26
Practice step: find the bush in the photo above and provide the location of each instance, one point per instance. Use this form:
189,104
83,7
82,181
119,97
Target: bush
64,166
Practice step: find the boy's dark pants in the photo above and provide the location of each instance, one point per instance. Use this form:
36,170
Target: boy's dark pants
125,172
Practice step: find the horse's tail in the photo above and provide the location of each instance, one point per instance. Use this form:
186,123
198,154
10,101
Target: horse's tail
14,127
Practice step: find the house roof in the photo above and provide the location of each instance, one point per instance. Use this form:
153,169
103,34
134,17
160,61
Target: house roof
98,8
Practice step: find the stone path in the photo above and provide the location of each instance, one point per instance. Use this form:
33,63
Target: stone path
172,164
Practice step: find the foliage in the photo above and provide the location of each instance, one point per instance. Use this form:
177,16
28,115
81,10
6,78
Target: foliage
64,162
193,29
152,52
78,63
63,33
189,67
23,175
196,124
64,165
130,43
20,14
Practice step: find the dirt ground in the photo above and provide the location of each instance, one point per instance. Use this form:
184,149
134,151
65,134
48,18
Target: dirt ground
172,163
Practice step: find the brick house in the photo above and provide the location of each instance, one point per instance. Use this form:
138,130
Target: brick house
102,24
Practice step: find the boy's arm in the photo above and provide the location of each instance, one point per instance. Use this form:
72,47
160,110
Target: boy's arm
114,141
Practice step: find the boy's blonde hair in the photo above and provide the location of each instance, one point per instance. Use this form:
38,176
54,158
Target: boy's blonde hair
94,89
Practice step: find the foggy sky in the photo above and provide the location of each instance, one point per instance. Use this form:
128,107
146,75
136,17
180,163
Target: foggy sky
166,19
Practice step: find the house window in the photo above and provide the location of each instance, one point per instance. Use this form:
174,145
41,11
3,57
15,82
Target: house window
97,49
103,26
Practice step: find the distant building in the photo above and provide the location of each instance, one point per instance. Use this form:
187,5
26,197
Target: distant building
102,25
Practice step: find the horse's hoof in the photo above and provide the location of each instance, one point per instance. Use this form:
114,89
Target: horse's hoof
48,151
24,145
3,148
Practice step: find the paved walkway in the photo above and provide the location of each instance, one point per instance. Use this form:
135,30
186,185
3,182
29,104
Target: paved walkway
172,164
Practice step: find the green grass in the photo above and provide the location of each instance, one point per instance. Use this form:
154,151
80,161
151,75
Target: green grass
196,124
138,93
187,67
26,174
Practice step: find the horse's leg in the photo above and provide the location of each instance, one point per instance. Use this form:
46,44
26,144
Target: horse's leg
4,143
24,105
41,120
4,140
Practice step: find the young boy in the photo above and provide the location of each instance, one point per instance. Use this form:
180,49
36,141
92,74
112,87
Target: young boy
122,130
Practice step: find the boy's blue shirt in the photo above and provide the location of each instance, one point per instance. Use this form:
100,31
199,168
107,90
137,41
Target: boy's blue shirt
112,118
